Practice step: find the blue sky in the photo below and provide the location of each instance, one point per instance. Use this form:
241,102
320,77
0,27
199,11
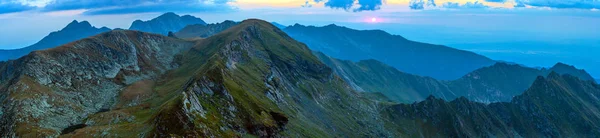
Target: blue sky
532,32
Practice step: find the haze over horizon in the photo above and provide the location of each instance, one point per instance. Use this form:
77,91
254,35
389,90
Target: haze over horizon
533,33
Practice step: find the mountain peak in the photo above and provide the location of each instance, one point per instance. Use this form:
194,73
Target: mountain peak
165,23
78,25
169,15
563,65
562,68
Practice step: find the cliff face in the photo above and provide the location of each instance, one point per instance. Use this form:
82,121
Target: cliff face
50,90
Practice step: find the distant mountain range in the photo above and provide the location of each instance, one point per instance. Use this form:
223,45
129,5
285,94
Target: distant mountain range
168,22
412,57
497,83
555,106
73,31
163,24
253,80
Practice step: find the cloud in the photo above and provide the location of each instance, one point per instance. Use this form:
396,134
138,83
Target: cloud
13,6
369,5
355,5
468,5
421,4
95,7
416,4
560,4
498,1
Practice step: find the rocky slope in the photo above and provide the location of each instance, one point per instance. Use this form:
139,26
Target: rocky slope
163,24
499,82
72,32
556,106
440,62
250,80
204,31
48,91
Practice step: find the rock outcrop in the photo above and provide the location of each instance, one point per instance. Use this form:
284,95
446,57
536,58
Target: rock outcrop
47,91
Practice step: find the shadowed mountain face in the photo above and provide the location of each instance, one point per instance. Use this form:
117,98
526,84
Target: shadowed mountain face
417,58
496,83
72,32
556,106
168,22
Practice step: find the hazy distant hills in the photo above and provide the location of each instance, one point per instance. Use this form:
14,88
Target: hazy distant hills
412,57
73,31
496,83
163,24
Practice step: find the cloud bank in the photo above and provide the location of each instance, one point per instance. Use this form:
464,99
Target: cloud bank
13,6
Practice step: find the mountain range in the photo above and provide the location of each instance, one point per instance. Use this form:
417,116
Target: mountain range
437,61
163,24
252,79
73,31
496,83
554,106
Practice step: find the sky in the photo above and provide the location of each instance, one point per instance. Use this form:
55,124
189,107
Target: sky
535,33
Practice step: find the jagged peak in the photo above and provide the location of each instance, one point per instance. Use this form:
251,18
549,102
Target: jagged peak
560,65
76,25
